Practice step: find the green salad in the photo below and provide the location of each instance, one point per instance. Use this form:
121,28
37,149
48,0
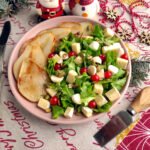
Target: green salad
87,74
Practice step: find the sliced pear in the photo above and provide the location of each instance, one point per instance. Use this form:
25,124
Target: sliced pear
75,27
87,28
46,41
32,80
31,51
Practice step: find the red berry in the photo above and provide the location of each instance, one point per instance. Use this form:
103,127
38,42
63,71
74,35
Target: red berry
71,53
108,74
103,57
54,100
95,78
57,67
82,70
92,104
124,56
51,55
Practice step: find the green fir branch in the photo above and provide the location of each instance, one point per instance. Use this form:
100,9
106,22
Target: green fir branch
140,70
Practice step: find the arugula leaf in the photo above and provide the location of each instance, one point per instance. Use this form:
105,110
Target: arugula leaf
50,66
104,108
110,58
70,64
98,32
119,83
57,111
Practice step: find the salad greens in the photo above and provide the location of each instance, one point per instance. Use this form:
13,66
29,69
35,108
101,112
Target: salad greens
83,84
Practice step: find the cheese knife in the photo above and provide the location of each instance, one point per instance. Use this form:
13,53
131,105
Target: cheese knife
124,118
3,40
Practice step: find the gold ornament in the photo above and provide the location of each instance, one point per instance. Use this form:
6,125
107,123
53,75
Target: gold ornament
145,38
124,34
111,14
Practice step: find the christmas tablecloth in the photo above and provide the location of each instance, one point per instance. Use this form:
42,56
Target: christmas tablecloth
19,130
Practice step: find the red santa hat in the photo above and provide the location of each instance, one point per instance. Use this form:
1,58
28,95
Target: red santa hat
72,3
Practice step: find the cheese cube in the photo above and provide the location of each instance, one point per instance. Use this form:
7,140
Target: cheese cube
113,94
101,74
78,60
116,47
63,55
76,98
43,104
56,79
87,111
98,88
71,76
69,112
51,91
97,60
94,45
100,100
76,48
109,32
87,37
122,63
58,59
92,70
113,69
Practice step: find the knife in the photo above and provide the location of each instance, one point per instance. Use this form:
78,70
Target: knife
124,118
3,40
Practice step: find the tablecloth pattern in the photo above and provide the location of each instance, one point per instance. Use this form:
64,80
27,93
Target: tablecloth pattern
19,130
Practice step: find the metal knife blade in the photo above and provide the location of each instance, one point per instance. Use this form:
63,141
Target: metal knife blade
3,40
117,124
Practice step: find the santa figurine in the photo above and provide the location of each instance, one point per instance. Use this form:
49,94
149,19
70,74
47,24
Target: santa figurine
49,9
85,8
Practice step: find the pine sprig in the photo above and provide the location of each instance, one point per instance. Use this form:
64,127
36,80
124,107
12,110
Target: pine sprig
140,70
10,7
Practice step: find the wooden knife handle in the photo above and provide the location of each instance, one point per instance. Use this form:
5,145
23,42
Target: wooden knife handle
142,101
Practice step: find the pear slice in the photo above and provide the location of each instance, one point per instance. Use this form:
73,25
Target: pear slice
87,28
75,27
31,81
31,51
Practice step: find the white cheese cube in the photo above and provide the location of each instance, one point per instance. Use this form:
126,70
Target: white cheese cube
98,88
63,55
51,91
119,51
56,79
87,37
113,69
113,94
109,32
87,111
58,59
94,45
100,100
122,63
76,48
101,74
97,59
78,60
92,70
71,76
76,98
43,104
69,112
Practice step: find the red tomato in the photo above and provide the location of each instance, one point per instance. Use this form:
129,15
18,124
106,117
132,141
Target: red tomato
103,57
82,70
92,104
108,74
95,78
57,67
124,56
72,53
54,100
51,55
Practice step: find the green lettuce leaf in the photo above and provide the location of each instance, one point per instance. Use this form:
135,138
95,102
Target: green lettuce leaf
119,83
113,40
57,111
111,58
50,66
104,108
